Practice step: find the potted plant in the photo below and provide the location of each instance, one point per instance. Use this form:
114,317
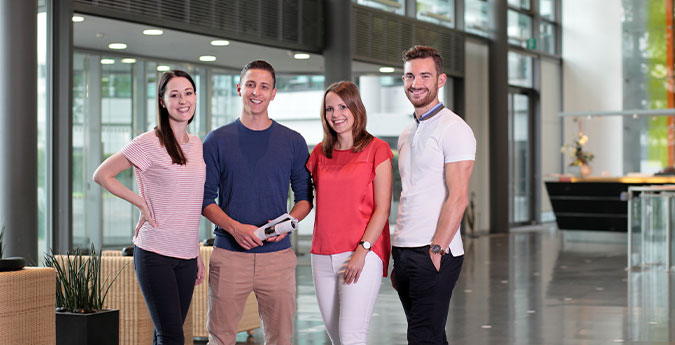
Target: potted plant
9,264
80,294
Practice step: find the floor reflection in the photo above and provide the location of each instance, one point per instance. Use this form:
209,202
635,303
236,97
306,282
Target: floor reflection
539,286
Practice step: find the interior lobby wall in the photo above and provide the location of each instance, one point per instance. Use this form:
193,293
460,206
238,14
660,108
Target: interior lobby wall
550,156
477,116
592,78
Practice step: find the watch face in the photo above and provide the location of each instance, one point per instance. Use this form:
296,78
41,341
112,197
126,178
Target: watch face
365,244
436,249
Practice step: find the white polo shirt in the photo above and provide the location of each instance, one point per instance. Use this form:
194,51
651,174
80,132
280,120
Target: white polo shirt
423,149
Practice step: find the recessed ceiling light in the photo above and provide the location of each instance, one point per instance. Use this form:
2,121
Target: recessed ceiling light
107,61
301,56
78,19
153,32
128,60
387,69
207,58
220,43
163,68
117,46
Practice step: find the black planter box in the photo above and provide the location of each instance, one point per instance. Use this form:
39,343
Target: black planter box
101,328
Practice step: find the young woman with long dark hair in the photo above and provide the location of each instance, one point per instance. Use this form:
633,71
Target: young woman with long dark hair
170,172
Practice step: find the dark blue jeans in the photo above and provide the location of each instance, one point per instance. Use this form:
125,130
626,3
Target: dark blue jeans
167,284
424,292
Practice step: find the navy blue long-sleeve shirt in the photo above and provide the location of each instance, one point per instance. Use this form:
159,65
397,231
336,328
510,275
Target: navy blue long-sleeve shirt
250,172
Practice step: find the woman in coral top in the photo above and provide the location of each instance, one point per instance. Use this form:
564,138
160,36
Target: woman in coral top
352,172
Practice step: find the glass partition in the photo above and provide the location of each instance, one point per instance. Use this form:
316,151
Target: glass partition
44,123
519,28
477,17
80,102
116,125
520,158
547,9
621,145
547,37
441,12
651,227
394,6
520,70
521,4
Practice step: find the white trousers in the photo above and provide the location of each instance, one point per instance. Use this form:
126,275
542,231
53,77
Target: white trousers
346,309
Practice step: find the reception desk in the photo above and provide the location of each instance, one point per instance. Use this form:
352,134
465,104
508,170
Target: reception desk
595,203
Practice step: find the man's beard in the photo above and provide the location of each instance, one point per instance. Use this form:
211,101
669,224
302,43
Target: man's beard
419,103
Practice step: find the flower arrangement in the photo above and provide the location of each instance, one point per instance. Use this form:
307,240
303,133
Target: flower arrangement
576,151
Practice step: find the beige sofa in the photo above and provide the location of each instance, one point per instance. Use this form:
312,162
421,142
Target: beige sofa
125,295
200,299
27,306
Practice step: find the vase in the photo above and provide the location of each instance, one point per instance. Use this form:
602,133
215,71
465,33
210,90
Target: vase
580,171
574,171
585,170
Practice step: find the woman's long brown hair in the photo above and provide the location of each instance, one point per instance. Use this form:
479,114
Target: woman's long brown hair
163,128
349,93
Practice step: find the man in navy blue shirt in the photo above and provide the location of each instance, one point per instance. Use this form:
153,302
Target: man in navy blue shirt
249,166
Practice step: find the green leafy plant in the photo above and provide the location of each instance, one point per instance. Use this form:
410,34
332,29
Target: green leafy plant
80,288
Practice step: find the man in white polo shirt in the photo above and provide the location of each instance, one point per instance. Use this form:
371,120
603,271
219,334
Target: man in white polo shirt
436,155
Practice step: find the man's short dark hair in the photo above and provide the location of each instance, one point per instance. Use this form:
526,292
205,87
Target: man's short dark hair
423,52
259,64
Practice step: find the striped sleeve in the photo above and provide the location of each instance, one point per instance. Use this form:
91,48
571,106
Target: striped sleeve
136,152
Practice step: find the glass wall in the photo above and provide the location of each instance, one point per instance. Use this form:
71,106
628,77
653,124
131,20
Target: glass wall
114,100
547,37
547,9
477,17
394,6
648,85
519,28
520,70
520,158
116,128
225,102
441,12
44,123
522,4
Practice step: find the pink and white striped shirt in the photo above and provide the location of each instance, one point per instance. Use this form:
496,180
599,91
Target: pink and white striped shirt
174,194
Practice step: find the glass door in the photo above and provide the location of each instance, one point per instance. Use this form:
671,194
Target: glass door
520,158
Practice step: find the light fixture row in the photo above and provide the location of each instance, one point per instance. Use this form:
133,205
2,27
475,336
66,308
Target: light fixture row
109,61
203,58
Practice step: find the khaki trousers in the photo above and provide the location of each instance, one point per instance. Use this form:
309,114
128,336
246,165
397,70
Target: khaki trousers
233,275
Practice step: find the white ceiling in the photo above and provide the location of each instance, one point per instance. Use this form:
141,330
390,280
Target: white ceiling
96,33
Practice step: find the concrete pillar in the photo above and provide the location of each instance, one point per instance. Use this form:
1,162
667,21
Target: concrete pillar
18,132
338,52
499,124
371,93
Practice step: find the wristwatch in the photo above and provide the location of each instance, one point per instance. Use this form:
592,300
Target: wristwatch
365,244
436,249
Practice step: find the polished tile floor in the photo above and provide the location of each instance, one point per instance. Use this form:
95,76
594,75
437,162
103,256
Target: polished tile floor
532,286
